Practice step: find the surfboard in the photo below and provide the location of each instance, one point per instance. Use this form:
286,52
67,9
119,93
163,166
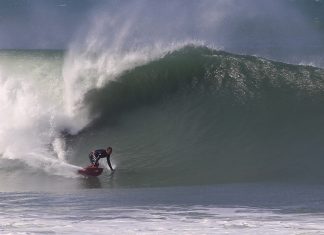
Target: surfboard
91,171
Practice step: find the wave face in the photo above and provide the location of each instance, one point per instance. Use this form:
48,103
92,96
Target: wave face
193,115
200,116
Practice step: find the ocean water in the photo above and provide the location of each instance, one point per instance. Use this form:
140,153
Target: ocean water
214,131
226,209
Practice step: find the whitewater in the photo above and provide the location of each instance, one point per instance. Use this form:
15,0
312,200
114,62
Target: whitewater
214,129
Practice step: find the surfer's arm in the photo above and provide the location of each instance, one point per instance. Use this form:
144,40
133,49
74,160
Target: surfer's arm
109,164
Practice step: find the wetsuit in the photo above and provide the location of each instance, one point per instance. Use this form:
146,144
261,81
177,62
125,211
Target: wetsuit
95,156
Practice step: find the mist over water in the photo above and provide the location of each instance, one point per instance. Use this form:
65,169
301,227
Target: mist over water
289,29
280,30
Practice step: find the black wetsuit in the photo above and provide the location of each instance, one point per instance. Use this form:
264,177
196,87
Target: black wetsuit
95,156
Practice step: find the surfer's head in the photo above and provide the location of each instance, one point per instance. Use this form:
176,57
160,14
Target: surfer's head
109,150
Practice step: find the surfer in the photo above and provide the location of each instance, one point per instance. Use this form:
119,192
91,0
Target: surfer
95,156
